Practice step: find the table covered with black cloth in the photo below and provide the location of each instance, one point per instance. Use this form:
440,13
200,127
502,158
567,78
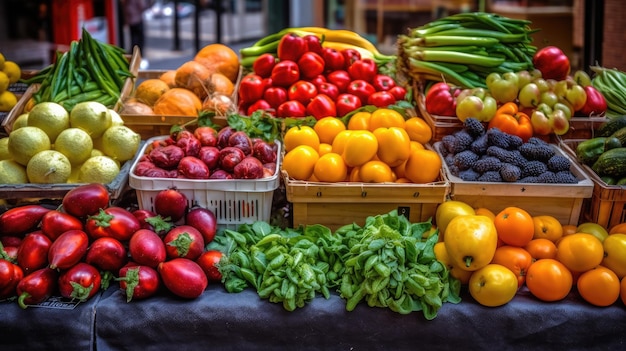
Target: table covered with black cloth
222,321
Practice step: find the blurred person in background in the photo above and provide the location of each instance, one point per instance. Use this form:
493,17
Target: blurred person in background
133,18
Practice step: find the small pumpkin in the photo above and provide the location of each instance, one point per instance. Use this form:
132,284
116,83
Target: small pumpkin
219,58
150,90
193,76
169,77
178,102
220,84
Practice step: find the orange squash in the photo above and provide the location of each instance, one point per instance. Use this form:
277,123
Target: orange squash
169,77
193,76
219,58
150,90
178,102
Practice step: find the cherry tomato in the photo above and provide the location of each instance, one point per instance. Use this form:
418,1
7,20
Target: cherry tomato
139,282
32,254
184,241
398,92
107,254
517,259
599,286
147,248
515,226
209,261
171,203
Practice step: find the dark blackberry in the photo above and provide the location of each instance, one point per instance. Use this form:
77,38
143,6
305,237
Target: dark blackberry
533,169
566,177
509,156
498,138
448,142
514,141
537,141
469,175
490,176
539,152
454,170
474,127
465,159
487,163
479,145
558,163
547,177
509,172
449,159
463,141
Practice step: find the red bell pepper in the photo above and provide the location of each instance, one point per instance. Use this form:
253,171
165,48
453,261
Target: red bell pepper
275,96
311,65
285,73
362,89
313,43
251,88
321,106
383,82
329,89
291,46
595,103
364,69
441,99
259,105
350,55
340,78
381,99
36,287
334,60
511,120
347,103
291,108
264,64
302,91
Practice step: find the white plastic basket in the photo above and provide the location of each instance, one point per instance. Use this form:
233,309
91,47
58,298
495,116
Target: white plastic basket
234,201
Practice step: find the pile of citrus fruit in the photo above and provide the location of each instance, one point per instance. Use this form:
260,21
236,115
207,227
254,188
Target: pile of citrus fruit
10,73
373,147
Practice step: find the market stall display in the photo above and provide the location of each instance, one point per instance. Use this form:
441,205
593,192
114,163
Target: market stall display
489,186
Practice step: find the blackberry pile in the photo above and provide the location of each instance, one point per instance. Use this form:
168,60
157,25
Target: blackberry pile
476,154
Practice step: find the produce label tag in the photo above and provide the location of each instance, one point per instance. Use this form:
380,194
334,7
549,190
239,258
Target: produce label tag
58,302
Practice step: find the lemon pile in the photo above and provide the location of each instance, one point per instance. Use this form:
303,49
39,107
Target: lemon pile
10,73
50,145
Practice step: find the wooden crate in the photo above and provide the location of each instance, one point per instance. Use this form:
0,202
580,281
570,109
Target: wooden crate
563,201
338,204
607,205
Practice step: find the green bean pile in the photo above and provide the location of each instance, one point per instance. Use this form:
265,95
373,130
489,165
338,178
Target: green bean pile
388,262
88,71
464,48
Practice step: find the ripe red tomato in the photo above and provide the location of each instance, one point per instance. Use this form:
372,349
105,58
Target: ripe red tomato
68,249
311,65
107,254
549,280
138,282
55,223
204,220
115,222
170,203
183,277
32,254
209,261
264,64
184,241
147,248
81,282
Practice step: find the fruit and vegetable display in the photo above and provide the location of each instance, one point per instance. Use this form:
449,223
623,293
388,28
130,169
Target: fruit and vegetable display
309,74
10,73
325,109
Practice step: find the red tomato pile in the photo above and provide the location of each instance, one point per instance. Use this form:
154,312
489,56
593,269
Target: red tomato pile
307,79
75,250
208,154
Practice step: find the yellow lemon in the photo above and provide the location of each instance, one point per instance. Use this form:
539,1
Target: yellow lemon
4,82
98,169
50,117
120,143
7,101
48,167
12,172
13,71
75,144
4,149
20,121
116,119
92,117
25,142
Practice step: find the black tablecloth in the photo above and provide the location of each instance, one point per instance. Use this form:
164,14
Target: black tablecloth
219,320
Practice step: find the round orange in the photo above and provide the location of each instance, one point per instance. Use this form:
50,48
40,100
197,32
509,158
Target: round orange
299,163
327,128
541,248
418,130
599,286
517,259
547,227
423,166
580,252
330,168
549,280
300,135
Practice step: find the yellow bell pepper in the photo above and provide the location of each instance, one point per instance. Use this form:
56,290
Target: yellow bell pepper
471,241
394,145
